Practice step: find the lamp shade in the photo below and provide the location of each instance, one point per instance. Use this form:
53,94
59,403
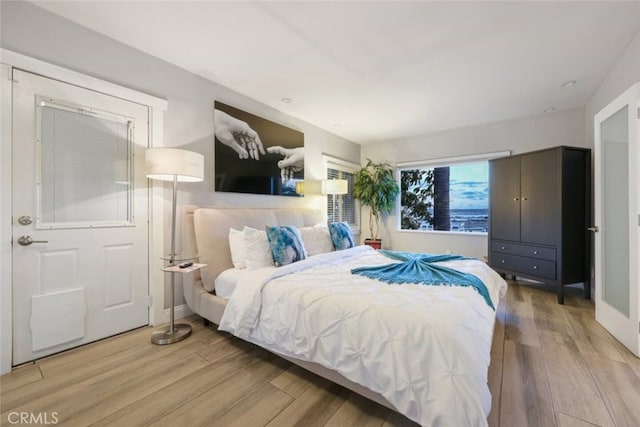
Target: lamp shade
334,186
164,164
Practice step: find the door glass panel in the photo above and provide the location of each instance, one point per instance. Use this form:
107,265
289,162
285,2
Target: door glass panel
615,210
85,161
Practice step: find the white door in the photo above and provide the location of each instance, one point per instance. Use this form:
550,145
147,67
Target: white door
617,217
80,194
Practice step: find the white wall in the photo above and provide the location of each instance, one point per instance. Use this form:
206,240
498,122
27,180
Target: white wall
624,73
519,135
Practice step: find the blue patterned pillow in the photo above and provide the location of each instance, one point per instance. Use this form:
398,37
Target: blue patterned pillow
286,245
341,235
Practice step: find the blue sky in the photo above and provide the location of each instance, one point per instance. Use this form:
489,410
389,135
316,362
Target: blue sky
469,186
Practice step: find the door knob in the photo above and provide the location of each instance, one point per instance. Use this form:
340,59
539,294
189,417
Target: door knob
27,240
595,229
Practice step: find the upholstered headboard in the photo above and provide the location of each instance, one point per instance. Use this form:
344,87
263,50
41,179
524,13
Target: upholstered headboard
207,231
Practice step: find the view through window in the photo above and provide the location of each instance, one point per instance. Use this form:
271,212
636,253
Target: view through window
449,198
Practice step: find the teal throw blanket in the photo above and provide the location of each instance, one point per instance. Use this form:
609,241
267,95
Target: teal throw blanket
421,268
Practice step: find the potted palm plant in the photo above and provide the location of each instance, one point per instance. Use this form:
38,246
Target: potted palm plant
375,186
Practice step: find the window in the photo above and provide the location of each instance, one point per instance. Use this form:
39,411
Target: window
85,167
345,207
448,195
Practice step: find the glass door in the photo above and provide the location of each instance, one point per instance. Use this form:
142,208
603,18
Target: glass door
616,218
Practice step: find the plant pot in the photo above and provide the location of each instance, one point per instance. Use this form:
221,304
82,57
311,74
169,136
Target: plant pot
374,243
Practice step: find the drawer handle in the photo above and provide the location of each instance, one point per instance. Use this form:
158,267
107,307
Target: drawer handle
502,261
535,267
535,252
504,248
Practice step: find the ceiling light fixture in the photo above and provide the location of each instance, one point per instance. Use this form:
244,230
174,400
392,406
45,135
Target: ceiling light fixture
549,110
568,83
286,100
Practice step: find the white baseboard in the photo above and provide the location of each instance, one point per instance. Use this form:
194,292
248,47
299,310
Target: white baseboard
180,311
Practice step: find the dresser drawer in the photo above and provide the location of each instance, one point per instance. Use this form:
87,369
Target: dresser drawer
524,250
520,264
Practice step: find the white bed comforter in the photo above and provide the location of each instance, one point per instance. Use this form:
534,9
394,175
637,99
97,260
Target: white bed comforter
426,349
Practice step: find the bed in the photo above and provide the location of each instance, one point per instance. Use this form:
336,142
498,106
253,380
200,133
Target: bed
423,351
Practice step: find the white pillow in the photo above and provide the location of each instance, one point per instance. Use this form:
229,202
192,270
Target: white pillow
257,251
236,244
316,239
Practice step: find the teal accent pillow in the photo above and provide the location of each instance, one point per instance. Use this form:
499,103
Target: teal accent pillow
286,244
341,235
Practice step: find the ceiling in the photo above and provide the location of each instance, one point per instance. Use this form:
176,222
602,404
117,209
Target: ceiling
382,70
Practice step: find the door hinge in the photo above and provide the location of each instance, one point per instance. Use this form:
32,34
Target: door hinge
638,112
149,300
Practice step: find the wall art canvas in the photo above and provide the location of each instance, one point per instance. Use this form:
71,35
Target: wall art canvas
255,155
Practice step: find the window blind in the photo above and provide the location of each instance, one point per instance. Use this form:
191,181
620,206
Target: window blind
345,209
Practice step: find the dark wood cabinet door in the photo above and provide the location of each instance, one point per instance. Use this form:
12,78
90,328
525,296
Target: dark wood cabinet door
541,205
504,179
539,210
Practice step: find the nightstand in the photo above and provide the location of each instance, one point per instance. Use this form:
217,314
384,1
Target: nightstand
175,333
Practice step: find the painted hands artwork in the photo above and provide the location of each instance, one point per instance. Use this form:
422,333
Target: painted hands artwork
254,155
293,161
237,135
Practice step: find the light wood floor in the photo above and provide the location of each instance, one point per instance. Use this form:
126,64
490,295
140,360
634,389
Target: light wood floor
551,365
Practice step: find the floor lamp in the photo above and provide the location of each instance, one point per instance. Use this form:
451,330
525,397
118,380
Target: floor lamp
335,186
174,165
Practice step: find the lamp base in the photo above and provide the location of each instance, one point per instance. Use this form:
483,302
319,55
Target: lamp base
180,332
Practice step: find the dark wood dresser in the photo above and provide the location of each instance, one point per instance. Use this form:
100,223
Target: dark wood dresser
539,211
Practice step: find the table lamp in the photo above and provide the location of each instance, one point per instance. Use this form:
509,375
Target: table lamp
335,187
